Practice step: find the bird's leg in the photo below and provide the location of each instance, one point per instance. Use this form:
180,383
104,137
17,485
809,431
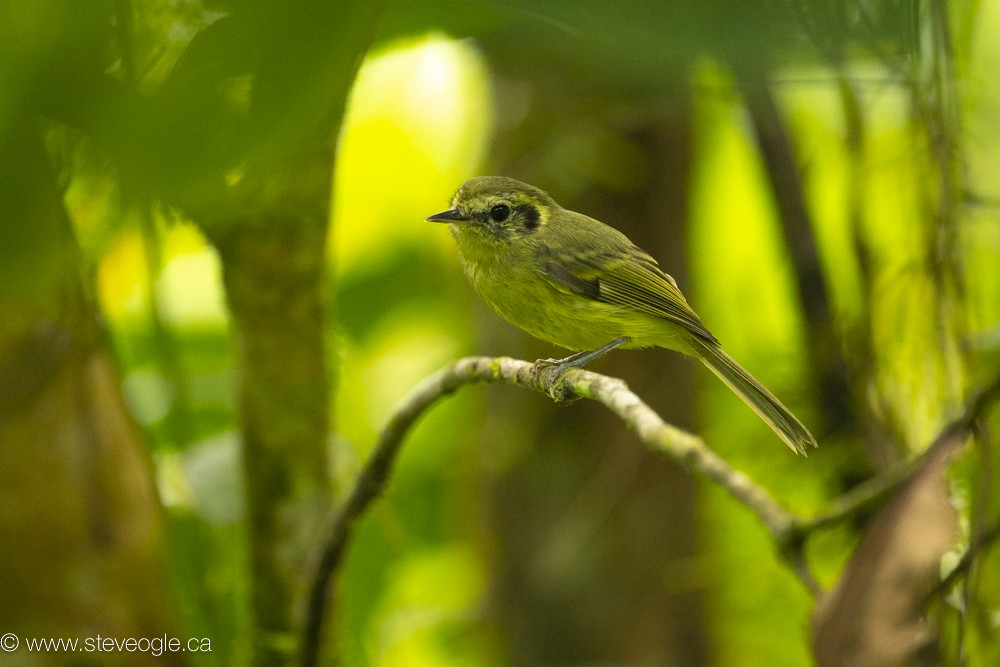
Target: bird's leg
581,359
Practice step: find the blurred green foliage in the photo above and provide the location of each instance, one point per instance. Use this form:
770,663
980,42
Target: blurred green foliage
149,115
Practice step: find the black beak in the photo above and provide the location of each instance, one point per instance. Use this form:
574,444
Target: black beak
451,215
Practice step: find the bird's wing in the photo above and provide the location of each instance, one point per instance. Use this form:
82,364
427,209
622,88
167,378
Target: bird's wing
625,277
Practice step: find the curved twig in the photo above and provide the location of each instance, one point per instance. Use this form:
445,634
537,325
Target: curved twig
788,531
685,448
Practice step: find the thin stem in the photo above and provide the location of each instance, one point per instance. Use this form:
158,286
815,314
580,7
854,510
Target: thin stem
874,491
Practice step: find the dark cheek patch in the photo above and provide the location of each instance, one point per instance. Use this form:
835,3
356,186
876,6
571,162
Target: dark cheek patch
529,214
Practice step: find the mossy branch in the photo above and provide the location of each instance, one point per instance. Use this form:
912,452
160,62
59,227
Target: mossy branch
690,451
687,449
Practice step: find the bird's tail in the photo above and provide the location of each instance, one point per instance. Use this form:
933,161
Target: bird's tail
754,394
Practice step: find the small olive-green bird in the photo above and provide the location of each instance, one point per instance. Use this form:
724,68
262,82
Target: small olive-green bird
576,282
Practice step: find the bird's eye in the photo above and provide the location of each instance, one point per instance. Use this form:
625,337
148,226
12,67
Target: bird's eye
500,212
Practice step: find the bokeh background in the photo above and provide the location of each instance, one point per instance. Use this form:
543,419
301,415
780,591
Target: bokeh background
217,283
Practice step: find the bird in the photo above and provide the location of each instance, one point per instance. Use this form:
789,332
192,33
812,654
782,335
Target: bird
580,284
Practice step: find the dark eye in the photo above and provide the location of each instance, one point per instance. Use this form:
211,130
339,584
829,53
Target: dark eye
500,212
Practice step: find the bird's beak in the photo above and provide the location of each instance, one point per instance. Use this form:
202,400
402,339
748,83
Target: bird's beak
451,215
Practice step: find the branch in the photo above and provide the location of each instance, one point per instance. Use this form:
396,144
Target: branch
873,492
788,531
685,448
777,151
961,569
876,613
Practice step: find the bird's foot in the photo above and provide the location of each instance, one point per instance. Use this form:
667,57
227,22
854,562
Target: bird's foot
556,366
579,359
547,376
550,369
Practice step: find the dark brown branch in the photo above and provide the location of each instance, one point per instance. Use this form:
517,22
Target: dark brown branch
875,491
876,612
778,154
369,486
961,569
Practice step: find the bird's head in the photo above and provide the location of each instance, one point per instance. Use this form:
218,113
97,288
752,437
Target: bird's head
496,208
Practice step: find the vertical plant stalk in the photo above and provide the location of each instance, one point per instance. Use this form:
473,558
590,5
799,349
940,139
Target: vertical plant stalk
938,109
275,279
272,240
814,295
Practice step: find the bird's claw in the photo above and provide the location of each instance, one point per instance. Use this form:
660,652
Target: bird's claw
554,365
